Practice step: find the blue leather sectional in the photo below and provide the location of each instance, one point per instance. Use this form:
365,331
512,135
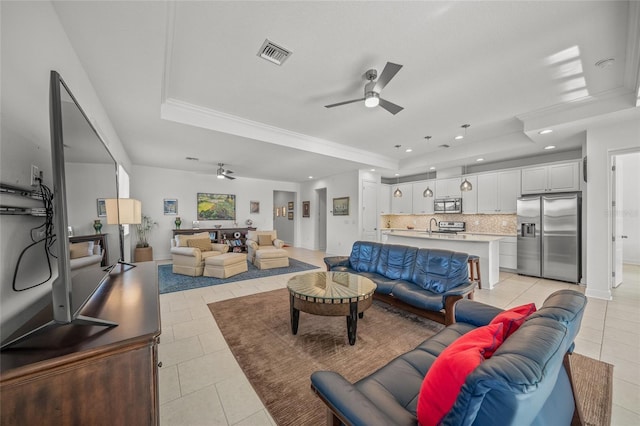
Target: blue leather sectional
424,281
524,383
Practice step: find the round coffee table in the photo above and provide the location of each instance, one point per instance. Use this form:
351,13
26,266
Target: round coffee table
330,294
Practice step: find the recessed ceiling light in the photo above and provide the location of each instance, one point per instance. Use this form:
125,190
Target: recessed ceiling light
545,131
310,177
479,159
550,147
372,170
397,174
408,150
459,137
432,168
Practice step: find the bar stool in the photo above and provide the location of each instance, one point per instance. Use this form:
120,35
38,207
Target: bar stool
474,269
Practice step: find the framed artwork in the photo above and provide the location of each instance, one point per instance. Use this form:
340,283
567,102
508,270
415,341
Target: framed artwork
306,209
170,206
278,211
102,207
290,205
254,206
341,206
290,215
216,206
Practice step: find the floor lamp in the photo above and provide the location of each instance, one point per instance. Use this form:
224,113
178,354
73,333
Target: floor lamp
123,211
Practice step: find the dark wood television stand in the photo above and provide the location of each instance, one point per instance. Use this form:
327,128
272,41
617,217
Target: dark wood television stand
75,374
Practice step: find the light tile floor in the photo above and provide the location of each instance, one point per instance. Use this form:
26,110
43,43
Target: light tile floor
202,384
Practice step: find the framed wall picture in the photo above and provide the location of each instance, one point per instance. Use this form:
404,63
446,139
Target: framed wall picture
306,209
290,205
278,211
216,206
290,215
102,207
341,206
254,207
170,206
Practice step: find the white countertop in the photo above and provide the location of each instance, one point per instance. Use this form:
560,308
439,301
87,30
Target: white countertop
451,237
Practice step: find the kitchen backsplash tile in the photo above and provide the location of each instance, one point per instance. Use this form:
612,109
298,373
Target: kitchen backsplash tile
485,223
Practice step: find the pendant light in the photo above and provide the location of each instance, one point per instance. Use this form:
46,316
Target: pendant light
397,193
427,192
465,185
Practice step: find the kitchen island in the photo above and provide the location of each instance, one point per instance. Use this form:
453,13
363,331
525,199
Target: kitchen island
487,247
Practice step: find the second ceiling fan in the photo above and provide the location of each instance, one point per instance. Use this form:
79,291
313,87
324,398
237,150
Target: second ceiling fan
373,88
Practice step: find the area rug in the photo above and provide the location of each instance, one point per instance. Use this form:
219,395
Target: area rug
170,282
279,364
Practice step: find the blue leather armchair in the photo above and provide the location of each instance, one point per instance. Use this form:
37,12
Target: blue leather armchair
525,382
424,281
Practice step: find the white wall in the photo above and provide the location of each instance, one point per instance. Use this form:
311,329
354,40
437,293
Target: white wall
282,224
151,185
616,132
631,207
33,43
342,231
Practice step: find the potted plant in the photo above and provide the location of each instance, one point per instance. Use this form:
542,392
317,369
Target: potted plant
143,251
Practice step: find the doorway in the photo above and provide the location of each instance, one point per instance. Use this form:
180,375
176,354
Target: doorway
625,223
321,223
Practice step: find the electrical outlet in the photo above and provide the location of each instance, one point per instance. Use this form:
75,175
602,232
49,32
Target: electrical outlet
35,175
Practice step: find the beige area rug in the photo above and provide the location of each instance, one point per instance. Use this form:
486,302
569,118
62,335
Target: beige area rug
279,364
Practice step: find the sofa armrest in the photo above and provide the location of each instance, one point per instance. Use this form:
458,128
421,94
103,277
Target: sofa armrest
334,261
475,313
252,244
222,248
278,243
186,251
461,290
346,402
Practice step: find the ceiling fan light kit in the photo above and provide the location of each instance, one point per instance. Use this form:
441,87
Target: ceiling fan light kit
221,173
373,88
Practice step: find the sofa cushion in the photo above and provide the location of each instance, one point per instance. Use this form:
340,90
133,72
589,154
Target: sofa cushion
440,270
181,240
204,244
449,371
513,318
265,240
396,261
78,250
364,256
418,297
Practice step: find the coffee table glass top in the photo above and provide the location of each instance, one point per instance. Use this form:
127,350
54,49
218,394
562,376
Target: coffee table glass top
333,287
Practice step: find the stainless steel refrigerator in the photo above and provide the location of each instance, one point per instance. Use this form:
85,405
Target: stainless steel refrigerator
549,230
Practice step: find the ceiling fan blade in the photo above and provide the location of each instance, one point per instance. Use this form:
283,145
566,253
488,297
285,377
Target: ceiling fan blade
344,103
390,106
228,177
228,171
389,71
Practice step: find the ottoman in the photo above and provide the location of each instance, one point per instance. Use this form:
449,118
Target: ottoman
225,265
271,258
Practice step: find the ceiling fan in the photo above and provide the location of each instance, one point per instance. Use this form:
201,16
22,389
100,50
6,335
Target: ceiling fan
373,88
221,173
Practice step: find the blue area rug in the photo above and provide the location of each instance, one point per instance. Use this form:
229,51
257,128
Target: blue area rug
170,282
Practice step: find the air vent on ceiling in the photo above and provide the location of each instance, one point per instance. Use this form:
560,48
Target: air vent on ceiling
273,53
444,145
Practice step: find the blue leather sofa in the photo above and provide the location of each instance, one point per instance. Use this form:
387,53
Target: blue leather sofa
424,281
525,382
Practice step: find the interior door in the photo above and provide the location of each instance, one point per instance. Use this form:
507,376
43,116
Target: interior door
369,211
616,222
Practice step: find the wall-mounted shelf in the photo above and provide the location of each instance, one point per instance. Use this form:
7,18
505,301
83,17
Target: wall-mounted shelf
15,191
29,211
20,192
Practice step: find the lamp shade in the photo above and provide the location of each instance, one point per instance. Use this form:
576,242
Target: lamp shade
123,211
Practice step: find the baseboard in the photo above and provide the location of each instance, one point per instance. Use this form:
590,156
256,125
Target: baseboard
598,294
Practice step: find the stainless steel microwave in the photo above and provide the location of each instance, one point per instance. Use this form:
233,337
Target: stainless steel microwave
447,205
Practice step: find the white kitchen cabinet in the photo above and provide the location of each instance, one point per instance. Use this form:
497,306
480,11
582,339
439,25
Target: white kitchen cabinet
498,192
385,199
509,253
422,204
561,177
404,204
470,198
448,188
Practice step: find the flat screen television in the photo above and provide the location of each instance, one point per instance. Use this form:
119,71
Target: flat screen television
83,171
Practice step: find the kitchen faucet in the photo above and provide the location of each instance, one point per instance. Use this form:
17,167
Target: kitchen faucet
433,219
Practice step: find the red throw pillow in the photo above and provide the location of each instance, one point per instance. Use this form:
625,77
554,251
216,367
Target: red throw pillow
513,318
449,371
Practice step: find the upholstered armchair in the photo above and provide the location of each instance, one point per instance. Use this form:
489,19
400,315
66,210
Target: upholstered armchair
190,251
262,240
